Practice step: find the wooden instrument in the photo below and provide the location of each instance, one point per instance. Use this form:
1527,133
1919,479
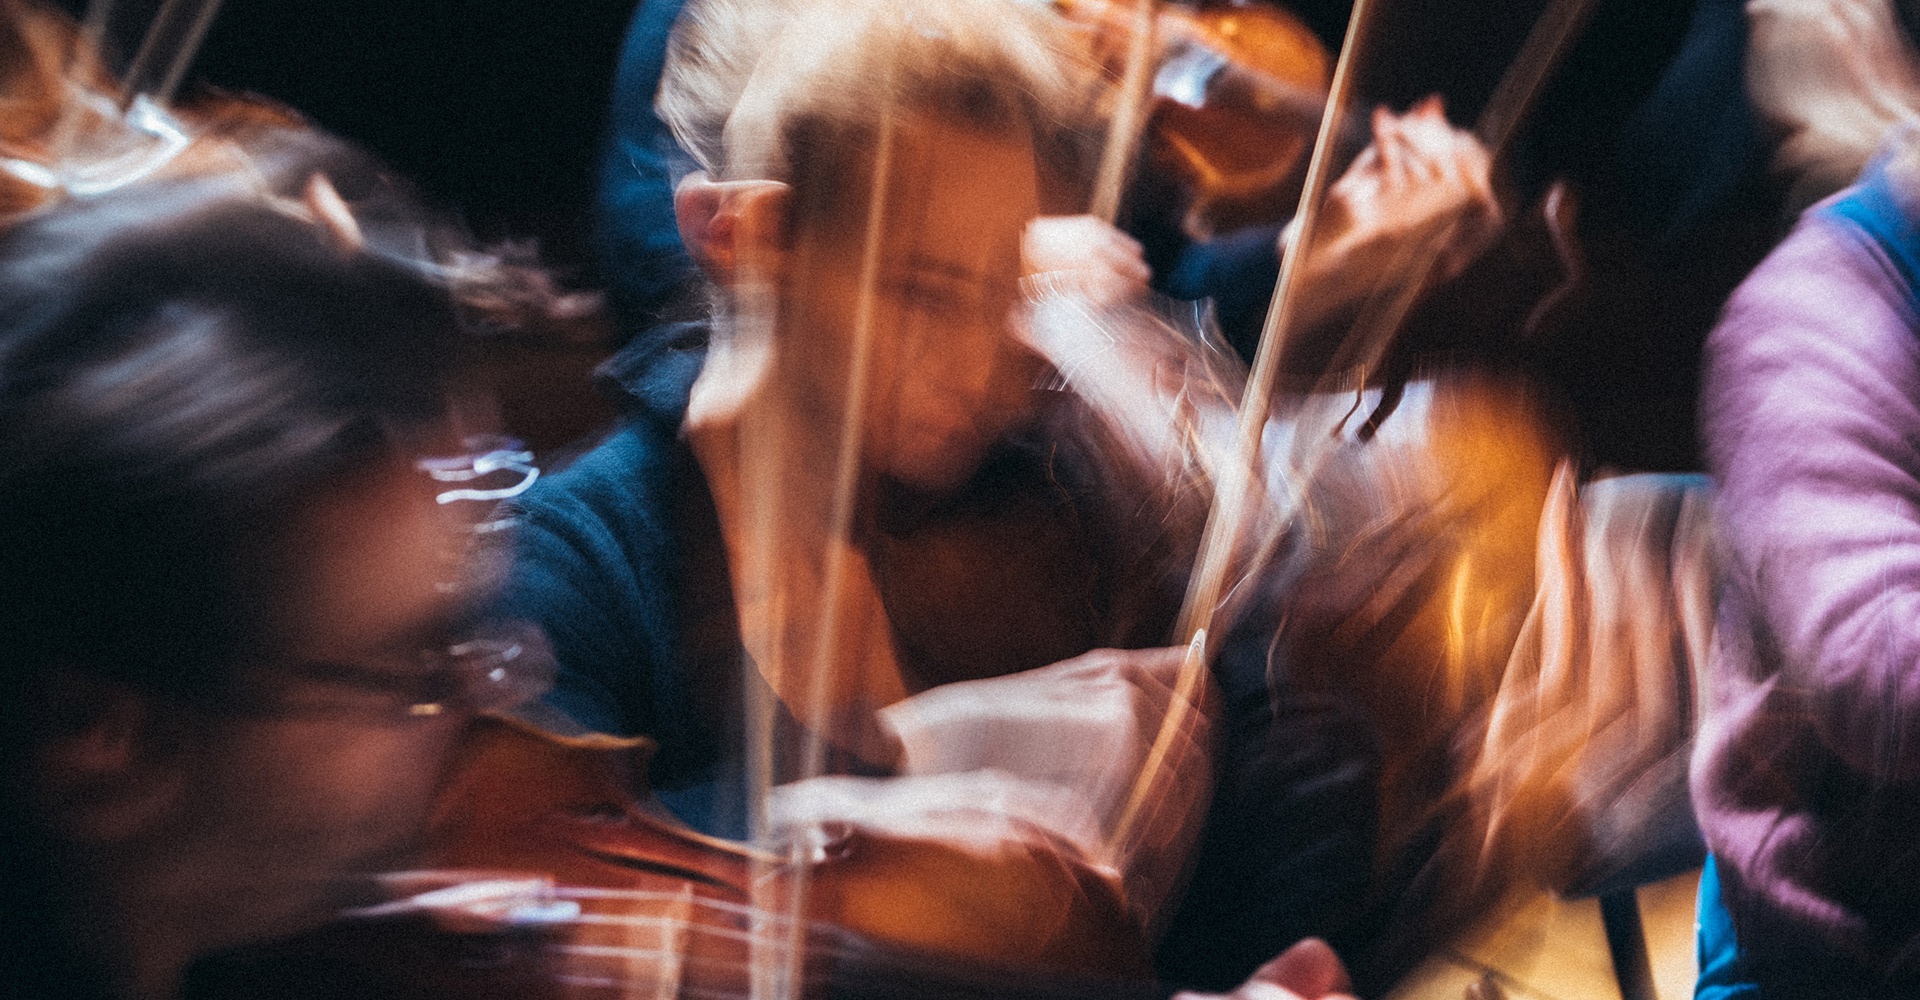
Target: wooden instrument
1237,88
615,899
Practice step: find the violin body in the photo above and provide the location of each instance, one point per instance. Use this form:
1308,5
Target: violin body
1238,103
526,800
639,906
1238,92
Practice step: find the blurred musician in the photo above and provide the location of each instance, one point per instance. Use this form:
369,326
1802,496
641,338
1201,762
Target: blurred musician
651,276
240,629
986,538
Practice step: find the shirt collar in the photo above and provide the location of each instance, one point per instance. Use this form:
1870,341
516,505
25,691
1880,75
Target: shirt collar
653,375
1886,204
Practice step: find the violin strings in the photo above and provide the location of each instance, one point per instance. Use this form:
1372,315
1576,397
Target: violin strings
719,908
690,958
93,32
81,58
627,953
576,981
644,896
664,923
171,42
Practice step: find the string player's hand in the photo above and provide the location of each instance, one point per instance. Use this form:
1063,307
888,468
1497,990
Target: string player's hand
1086,256
1422,190
1307,971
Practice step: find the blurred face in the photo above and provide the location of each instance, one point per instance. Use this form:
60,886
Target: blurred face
946,376
328,759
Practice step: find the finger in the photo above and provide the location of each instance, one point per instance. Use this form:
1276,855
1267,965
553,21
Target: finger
1248,991
1452,163
1427,158
1393,154
1125,256
1434,141
1157,671
1457,158
1424,141
1368,162
1309,968
1473,165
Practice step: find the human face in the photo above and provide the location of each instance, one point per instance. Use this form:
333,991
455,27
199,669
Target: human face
318,770
945,376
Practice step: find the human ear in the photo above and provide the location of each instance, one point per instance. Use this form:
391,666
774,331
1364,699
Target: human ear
101,769
732,228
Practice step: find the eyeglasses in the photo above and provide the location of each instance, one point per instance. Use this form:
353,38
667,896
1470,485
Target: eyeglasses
494,468
493,667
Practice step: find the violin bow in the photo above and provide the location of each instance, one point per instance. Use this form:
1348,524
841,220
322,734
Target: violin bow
777,956
846,485
1129,117
1124,130
1385,311
1234,486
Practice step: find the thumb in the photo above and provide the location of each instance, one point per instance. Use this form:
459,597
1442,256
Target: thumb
1309,968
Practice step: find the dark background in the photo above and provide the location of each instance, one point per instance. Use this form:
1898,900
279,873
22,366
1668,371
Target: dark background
496,108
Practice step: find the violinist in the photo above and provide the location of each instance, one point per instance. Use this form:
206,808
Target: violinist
991,538
986,540
997,539
240,631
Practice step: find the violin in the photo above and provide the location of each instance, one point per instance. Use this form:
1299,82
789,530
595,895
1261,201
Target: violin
1236,98
628,903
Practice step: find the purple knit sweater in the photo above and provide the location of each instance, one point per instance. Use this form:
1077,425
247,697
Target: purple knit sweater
1806,773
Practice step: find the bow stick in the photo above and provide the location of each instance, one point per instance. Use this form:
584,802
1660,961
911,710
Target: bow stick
1125,127
1229,516
778,955
846,484
1385,311
1233,489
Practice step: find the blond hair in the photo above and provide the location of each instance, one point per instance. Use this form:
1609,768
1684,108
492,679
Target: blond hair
793,90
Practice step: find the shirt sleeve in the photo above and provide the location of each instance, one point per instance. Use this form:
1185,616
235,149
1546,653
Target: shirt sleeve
591,568
1811,419
1238,272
